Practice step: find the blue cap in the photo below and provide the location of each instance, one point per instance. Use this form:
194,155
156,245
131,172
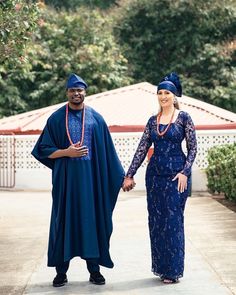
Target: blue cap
74,81
172,83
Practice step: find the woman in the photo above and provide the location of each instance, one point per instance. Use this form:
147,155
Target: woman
167,179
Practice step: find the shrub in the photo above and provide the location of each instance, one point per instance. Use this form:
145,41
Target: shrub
221,171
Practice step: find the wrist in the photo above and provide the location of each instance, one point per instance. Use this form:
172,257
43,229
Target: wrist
65,152
186,172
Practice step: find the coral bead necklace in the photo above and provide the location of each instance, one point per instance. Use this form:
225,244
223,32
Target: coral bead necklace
168,126
80,143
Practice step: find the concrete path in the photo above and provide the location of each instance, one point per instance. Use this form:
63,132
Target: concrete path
210,250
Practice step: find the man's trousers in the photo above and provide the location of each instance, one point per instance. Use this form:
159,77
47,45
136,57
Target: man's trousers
92,266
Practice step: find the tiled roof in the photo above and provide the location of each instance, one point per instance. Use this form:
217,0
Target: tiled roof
124,107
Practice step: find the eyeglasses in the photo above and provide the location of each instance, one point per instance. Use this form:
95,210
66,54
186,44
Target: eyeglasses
73,90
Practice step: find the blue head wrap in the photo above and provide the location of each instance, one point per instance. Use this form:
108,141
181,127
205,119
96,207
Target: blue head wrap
75,81
172,83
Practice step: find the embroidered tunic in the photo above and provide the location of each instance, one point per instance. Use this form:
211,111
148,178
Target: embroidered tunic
165,203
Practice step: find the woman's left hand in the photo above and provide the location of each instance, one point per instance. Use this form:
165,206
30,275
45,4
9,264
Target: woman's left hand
128,184
182,182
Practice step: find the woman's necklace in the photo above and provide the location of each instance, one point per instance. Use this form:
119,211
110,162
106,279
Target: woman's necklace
67,128
168,126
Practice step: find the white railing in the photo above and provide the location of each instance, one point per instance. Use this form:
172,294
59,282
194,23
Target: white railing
31,174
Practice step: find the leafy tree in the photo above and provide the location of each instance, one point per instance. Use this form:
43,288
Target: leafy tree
18,19
73,4
213,77
65,43
10,100
185,36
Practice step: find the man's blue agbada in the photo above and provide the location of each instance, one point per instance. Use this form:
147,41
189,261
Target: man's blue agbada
84,190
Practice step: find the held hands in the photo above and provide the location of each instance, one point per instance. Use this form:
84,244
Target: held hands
76,151
128,184
182,182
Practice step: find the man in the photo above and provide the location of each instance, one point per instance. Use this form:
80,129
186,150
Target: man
86,178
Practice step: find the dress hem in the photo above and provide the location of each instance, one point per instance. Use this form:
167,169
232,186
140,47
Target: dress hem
162,276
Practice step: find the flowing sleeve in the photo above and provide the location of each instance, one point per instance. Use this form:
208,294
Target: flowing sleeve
141,151
45,146
191,143
108,171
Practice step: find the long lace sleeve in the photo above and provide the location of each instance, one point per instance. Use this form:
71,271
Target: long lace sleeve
191,142
141,151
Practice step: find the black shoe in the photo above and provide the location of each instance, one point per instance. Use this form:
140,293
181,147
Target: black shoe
60,280
96,278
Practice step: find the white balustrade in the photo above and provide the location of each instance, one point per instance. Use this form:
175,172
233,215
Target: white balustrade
30,174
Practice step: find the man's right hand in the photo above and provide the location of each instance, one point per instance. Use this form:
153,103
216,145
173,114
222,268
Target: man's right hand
75,151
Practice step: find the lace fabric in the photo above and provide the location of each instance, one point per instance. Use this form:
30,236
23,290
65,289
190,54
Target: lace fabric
182,128
165,203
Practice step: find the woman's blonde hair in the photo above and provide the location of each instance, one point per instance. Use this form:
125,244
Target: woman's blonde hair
176,103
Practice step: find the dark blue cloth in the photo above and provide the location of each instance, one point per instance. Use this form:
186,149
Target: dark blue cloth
168,86
172,83
92,266
84,189
165,203
75,81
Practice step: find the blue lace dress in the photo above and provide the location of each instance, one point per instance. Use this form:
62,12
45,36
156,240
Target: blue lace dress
165,204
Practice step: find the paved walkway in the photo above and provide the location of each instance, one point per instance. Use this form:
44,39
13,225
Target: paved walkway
210,250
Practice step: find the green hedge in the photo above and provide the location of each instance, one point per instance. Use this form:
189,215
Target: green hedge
221,171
